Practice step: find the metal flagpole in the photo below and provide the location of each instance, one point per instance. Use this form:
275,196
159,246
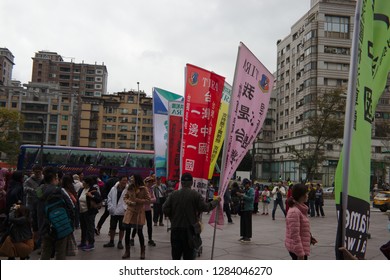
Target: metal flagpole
224,154
349,118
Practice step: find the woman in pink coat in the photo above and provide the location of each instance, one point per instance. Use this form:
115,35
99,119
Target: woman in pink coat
298,236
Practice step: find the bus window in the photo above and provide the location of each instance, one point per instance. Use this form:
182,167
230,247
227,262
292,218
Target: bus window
112,159
54,156
80,157
30,157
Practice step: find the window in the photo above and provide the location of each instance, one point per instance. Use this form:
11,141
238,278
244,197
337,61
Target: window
64,69
64,117
65,77
329,147
54,107
64,127
310,66
336,27
378,149
63,137
99,72
65,108
337,50
90,79
310,82
14,104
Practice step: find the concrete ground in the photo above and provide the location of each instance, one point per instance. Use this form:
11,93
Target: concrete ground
267,242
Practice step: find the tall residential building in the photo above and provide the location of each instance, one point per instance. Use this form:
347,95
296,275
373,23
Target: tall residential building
73,78
314,58
6,66
111,121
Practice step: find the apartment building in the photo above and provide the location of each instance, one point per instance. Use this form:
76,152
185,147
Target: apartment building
111,121
73,78
35,101
312,59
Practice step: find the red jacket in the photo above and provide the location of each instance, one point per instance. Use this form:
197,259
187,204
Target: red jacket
298,235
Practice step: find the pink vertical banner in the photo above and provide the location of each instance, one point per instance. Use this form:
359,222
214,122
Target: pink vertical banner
248,109
203,93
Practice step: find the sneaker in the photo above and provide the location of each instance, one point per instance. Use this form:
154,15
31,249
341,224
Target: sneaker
242,238
230,223
120,245
97,231
246,240
266,214
263,214
88,248
161,224
81,245
151,243
109,244
131,242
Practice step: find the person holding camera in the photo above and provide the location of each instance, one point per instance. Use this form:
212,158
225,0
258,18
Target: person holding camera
278,192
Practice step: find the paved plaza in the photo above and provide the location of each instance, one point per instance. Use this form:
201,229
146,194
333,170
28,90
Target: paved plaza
267,242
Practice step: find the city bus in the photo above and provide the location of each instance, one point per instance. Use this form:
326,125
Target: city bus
89,161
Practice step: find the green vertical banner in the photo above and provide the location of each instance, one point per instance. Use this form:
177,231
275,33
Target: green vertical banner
373,65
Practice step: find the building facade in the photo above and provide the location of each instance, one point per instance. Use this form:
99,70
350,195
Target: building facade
72,78
313,59
6,66
111,121
35,101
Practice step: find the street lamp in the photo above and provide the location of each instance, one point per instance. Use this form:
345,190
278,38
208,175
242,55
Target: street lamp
40,119
136,120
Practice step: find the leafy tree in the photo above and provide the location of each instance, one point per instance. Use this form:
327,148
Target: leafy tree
324,126
10,121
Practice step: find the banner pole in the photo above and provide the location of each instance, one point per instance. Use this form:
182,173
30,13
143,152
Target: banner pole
349,119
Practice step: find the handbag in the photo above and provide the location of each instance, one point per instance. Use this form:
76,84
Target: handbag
96,205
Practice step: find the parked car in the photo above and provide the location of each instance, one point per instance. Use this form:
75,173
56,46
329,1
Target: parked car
382,201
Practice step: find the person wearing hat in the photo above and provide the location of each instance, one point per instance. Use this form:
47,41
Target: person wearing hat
247,197
183,208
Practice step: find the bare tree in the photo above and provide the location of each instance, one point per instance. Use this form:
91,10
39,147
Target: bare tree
324,126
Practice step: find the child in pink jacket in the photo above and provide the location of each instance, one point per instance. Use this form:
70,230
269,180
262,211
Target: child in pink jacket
298,236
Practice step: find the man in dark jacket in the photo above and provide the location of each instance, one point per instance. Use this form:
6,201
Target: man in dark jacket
183,208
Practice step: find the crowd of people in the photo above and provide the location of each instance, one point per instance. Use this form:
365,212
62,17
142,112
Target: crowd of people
131,202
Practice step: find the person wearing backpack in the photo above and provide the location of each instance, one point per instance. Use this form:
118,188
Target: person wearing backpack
278,192
54,203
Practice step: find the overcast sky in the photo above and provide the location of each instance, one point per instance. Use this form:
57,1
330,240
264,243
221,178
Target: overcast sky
147,41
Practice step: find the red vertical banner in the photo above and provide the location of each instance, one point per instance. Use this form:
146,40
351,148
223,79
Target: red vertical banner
203,93
175,131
